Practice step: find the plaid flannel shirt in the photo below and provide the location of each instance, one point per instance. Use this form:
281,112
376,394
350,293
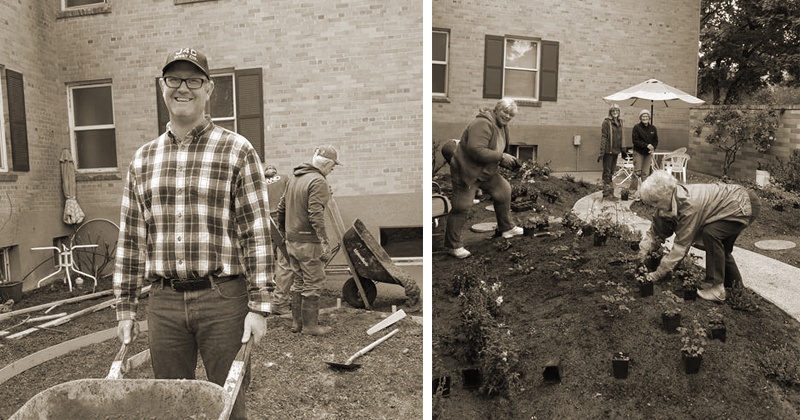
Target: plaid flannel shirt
191,209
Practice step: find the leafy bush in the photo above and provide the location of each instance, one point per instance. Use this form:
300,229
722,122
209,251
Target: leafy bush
786,175
781,365
733,127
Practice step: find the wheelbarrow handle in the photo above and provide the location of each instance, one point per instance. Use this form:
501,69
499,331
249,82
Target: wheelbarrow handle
371,346
119,365
235,376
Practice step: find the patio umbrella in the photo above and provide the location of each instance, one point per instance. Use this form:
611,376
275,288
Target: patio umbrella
72,210
654,91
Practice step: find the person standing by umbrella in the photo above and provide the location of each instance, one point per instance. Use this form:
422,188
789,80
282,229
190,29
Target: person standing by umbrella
610,148
645,140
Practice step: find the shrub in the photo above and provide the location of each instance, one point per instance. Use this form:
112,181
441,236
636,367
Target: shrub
786,175
733,127
780,365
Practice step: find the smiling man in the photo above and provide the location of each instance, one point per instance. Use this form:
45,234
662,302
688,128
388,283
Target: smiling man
193,225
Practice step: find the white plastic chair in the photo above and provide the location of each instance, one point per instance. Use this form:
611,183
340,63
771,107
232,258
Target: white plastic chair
675,163
624,166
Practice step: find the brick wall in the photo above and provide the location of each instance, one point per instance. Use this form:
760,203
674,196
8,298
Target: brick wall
345,73
603,48
709,159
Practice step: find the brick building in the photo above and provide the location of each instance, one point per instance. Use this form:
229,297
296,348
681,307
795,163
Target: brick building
81,75
558,60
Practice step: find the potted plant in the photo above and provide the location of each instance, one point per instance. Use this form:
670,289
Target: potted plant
716,325
690,275
604,227
630,235
619,364
645,285
536,223
671,316
693,340
654,256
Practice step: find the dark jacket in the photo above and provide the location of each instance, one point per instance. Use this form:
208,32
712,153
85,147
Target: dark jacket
478,156
642,136
611,136
301,211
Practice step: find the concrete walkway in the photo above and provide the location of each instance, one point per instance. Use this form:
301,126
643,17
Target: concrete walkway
775,281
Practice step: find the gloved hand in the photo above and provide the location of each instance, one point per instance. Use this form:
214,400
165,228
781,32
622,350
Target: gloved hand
509,162
326,252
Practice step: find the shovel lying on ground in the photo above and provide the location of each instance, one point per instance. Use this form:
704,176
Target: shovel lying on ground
349,365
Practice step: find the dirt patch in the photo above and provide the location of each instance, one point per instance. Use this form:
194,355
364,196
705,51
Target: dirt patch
290,378
567,306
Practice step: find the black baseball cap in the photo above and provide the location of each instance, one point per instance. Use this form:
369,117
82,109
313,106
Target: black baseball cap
190,55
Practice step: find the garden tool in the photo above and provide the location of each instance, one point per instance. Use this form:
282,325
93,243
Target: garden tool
349,365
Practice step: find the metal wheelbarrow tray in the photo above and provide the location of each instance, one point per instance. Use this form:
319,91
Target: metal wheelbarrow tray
371,263
114,398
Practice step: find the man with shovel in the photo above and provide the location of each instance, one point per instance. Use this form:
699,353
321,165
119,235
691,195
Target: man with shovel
194,226
301,221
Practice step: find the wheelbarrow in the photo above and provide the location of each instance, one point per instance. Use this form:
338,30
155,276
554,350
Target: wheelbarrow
135,399
369,263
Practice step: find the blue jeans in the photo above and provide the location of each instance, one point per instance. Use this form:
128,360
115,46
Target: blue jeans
306,267
642,165
210,321
463,194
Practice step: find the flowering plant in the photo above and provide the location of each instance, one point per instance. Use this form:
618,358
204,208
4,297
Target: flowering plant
693,338
603,225
670,303
640,274
688,272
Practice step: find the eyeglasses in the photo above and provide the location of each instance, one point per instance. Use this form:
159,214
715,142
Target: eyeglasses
191,83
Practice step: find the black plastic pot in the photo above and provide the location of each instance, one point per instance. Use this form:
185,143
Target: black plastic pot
691,364
619,365
552,371
471,378
623,195
442,384
646,289
652,263
718,331
670,322
690,293
600,240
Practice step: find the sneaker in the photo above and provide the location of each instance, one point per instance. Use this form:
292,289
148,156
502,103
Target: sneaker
714,293
459,253
515,231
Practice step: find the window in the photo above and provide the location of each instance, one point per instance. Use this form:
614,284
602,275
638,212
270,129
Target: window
92,129
525,153
222,107
440,54
237,104
520,68
5,265
74,4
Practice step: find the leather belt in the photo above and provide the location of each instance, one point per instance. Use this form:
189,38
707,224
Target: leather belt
188,285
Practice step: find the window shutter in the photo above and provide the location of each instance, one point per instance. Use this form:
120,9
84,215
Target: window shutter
493,61
161,110
17,120
549,73
250,107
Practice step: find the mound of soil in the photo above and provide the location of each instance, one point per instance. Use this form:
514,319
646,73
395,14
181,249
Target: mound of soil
570,306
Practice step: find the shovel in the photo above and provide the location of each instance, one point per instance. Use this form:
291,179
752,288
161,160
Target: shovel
349,365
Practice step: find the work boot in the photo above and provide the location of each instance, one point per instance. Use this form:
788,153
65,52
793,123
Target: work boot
297,312
311,317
